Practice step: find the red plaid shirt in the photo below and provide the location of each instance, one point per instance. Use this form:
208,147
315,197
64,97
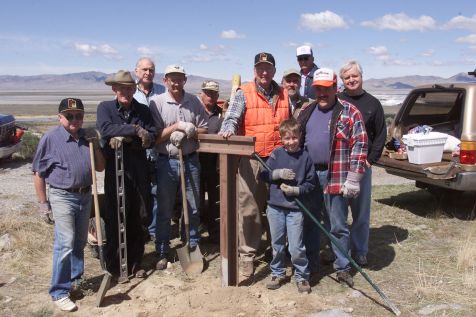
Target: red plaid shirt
348,145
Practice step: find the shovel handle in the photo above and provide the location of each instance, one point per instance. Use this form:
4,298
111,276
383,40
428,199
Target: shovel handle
97,214
186,219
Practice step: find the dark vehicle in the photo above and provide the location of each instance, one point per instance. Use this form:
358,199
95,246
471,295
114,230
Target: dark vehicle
10,136
447,108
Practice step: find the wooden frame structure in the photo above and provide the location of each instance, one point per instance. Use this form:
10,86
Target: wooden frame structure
229,151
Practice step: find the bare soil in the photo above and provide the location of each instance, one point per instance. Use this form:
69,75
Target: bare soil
415,252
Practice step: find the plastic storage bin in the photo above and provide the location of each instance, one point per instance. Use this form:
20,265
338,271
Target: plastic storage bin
425,148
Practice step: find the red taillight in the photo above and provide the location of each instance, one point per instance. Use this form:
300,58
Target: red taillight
467,152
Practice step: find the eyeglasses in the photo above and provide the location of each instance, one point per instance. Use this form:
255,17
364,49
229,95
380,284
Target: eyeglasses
70,117
303,58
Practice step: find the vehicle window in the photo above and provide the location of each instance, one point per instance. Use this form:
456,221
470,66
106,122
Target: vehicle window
437,103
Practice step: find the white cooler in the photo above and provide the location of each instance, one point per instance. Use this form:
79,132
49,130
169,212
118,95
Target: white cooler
425,148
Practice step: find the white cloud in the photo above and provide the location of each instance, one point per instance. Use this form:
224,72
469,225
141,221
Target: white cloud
322,21
382,54
143,50
428,53
203,47
105,50
462,22
469,39
231,35
402,22
378,50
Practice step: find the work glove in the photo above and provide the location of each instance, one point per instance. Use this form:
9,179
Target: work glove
189,128
92,135
144,135
176,138
351,187
44,211
283,173
289,190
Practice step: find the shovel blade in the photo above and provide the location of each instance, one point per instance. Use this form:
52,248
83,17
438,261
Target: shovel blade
105,283
191,261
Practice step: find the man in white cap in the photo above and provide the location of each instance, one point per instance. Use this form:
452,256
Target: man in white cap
334,134
178,117
292,83
305,59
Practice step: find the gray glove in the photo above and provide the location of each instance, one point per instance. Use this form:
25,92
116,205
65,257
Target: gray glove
176,138
92,135
283,173
116,142
289,190
189,128
144,135
44,211
351,187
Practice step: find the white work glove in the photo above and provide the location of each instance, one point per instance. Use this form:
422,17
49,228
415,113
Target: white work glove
283,173
144,135
351,187
289,190
44,211
116,142
189,128
176,138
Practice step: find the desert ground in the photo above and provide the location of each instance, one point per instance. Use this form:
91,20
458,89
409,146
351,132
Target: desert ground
422,256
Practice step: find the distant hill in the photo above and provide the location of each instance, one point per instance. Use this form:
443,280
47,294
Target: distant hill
95,80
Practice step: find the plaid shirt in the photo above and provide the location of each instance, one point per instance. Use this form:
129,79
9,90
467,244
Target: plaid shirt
348,145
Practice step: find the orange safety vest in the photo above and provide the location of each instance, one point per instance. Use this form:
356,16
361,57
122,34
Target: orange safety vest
262,119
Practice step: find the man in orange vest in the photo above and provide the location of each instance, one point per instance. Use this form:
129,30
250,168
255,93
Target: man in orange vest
256,110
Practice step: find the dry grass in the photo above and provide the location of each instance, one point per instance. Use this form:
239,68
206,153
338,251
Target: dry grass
466,259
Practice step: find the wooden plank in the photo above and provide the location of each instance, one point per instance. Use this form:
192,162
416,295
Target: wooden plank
236,144
228,220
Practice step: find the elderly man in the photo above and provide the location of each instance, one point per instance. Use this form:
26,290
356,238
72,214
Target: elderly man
257,110
127,123
62,161
337,143
305,58
145,89
209,177
178,117
292,83
374,119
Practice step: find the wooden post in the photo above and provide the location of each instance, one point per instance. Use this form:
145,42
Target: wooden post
229,151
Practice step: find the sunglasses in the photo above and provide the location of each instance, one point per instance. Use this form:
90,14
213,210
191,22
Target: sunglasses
71,117
303,58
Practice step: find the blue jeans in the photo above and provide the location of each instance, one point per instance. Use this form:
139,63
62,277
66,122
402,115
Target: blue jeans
360,207
319,205
168,180
339,230
284,222
71,212
153,224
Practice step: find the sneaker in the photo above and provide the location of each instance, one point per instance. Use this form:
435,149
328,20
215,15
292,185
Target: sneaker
303,287
275,282
162,264
65,304
361,260
247,268
345,278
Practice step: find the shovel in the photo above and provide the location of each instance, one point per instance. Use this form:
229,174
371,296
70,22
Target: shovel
106,280
190,260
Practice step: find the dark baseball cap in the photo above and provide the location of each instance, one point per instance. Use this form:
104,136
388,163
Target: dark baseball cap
264,58
70,104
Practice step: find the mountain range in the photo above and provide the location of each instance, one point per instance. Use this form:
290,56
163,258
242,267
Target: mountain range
95,81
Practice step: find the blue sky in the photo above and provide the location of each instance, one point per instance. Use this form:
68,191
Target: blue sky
219,38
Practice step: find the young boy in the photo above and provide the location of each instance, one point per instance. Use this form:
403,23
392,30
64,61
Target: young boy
292,175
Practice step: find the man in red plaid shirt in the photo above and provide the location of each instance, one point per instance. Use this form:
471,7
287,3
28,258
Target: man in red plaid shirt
337,143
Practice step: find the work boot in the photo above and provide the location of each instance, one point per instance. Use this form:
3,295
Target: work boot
275,282
361,260
247,268
162,264
345,278
303,286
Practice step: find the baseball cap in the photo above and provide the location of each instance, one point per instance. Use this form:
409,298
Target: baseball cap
174,69
324,77
291,71
264,58
70,104
304,50
210,85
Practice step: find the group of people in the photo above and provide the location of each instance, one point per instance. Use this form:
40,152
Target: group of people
319,144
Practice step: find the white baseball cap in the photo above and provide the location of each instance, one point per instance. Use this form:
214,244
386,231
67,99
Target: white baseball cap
174,69
304,50
324,77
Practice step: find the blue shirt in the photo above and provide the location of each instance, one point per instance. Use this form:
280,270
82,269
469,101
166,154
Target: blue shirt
142,98
306,89
63,161
318,135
